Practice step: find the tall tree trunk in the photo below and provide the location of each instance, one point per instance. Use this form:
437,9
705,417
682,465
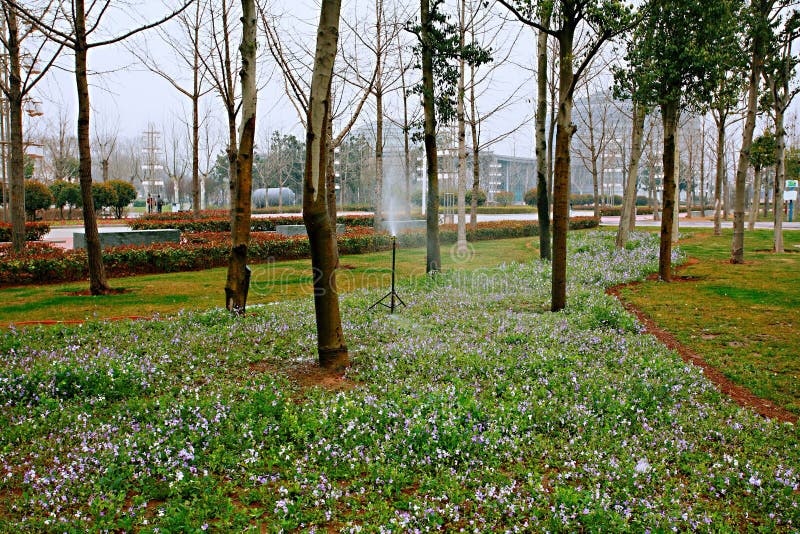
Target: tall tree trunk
196,116
551,132
756,66
751,222
433,260
542,173
379,215
98,284
767,191
476,155
16,162
461,186
322,237
677,177
330,185
703,172
669,115
406,136
720,176
378,89
690,181
780,170
237,281
565,131
629,200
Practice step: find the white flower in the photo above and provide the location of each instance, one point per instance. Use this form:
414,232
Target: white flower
642,466
179,476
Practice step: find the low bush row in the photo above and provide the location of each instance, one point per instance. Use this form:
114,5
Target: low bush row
223,224
34,231
42,263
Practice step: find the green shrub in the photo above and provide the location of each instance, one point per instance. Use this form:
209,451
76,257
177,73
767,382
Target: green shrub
65,193
531,196
504,198
124,192
481,197
103,196
37,197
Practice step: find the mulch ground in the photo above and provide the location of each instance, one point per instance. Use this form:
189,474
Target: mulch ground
740,395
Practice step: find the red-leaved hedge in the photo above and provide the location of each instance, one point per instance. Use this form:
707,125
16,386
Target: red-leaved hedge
42,263
187,224
34,231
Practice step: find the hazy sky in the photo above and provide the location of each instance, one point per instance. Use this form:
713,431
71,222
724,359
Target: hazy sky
125,93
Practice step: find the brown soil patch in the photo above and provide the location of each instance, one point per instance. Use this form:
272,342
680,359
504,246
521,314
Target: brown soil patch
312,375
740,395
88,293
308,375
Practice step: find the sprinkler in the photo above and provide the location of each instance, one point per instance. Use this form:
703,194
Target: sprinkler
391,295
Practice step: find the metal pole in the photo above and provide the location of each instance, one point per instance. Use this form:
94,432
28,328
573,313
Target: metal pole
394,253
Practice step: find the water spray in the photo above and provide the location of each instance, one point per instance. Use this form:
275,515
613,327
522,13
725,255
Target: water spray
391,295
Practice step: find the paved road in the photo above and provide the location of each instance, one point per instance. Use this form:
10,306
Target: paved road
62,235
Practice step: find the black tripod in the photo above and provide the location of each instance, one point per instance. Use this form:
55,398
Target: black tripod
391,295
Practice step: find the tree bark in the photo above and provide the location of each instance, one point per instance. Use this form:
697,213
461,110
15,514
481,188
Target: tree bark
322,237
16,164
629,200
677,179
237,280
542,189
703,172
379,215
751,222
780,170
476,155
720,176
98,283
433,260
669,115
461,187
756,66
564,132
196,116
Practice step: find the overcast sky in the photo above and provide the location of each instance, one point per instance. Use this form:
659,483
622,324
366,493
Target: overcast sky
125,93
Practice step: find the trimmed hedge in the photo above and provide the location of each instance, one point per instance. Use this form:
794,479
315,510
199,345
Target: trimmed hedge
220,224
42,263
34,231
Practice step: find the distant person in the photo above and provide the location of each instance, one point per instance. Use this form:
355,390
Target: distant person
159,203
149,204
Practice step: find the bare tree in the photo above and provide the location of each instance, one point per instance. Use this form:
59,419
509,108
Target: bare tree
628,214
175,161
220,63
347,98
595,137
779,73
60,149
105,142
75,26
186,54
321,234
238,274
16,83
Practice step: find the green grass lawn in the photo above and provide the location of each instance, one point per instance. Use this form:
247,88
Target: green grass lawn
201,290
471,409
742,319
